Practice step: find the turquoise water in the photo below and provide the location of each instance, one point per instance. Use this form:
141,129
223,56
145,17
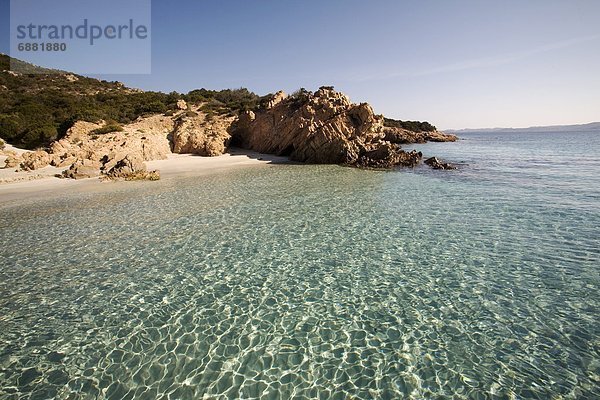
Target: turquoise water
315,281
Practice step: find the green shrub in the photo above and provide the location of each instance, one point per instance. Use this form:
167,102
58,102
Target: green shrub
224,101
108,128
35,136
10,127
299,97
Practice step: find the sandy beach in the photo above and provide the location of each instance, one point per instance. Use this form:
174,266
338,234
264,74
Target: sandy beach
20,185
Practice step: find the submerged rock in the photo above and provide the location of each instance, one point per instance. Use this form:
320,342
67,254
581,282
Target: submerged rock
436,163
387,156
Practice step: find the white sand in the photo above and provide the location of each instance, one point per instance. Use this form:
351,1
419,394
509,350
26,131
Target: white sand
21,185
188,164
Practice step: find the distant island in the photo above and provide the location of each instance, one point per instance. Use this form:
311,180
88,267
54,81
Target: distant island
548,129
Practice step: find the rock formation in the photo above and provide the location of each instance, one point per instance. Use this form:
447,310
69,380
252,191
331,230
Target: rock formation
202,135
146,138
181,105
388,155
436,163
34,160
131,167
115,154
13,160
322,127
82,168
404,136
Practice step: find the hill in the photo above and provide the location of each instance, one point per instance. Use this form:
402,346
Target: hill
540,129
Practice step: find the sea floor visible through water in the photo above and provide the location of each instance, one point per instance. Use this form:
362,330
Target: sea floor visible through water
325,282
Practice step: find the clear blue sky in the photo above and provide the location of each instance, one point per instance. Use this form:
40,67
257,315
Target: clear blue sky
456,64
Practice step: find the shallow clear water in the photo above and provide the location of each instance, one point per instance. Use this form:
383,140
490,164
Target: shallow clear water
315,281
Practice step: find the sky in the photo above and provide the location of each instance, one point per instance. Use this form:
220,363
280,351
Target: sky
457,64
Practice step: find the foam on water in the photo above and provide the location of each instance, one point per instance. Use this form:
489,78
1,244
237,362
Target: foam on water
312,282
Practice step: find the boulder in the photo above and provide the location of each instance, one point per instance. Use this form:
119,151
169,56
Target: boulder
387,156
34,160
128,165
82,168
181,104
276,99
62,162
436,163
13,160
131,168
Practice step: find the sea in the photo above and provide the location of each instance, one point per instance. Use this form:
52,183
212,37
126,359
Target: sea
315,281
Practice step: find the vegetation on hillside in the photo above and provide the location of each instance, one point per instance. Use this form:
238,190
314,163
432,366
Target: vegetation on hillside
414,126
110,127
224,101
43,104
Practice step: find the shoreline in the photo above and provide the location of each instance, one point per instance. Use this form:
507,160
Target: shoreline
27,185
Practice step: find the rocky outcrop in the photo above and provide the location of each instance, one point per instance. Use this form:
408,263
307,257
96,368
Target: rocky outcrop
146,138
324,127
201,135
116,153
388,155
404,136
436,163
